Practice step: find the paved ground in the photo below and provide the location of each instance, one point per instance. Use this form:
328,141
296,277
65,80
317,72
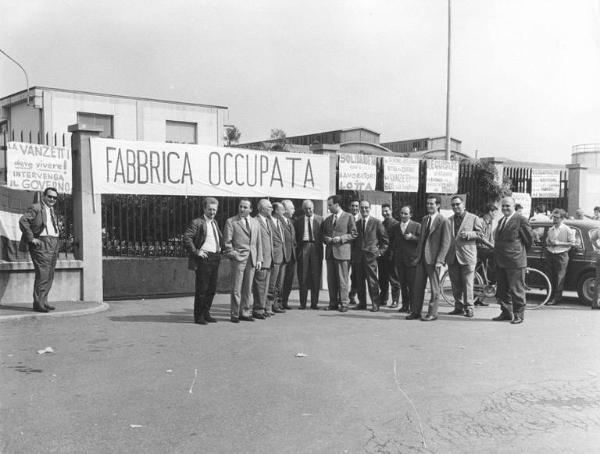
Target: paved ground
142,378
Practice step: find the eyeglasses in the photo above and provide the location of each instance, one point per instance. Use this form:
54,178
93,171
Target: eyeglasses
506,206
51,197
455,204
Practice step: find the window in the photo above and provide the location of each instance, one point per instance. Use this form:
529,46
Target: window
181,132
595,238
98,121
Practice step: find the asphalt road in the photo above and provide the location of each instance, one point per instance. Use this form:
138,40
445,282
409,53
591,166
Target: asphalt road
143,378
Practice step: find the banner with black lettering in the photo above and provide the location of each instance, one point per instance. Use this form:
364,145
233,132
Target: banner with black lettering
127,167
35,167
442,176
357,172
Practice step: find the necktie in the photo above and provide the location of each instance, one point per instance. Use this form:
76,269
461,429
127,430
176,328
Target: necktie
364,227
310,234
502,224
334,219
247,224
428,228
53,217
214,229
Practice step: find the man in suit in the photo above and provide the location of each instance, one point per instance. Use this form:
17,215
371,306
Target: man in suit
485,247
432,248
339,230
404,254
512,239
260,310
370,244
204,242
355,212
310,254
242,242
387,271
40,233
281,255
290,245
465,229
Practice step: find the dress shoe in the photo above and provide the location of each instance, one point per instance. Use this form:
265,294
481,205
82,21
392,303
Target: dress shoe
314,308
331,308
209,319
278,310
343,309
258,315
503,317
286,307
40,309
375,308
394,305
269,314
50,308
201,321
456,312
469,313
478,302
235,320
360,307
403,309
551,303
516,321
412,317
429,318
302,308
246,318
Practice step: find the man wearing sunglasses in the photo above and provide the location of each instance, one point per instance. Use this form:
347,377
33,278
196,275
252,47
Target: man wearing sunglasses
40,235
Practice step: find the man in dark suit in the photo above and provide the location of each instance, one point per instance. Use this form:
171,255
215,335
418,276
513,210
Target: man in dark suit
387,271
260,310
310,254
40,233
465,229
339,230
404,254
370,244
512,239
355,212
290,245
242,242
281,255
204,242
432,249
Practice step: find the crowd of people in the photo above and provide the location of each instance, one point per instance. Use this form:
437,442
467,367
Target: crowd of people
362,254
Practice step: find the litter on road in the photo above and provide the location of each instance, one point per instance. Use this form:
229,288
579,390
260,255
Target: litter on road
46,350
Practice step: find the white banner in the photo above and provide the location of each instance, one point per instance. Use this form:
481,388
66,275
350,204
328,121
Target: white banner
545,183
442,176
34,167
400,174
357,172
126,167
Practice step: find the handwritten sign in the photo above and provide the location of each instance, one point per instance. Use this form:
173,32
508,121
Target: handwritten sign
357,172
34,167
523,199
442,176
545,183
126,167
400,174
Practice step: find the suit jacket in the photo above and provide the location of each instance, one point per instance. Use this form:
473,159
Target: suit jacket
404,251
317,223
289,239
371,242
278,238
266,239
389,225
241,244
511,244
464,251
345,229
32,225
194,237
435,245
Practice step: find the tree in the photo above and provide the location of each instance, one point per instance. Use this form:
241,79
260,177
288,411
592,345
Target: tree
278,140
232,135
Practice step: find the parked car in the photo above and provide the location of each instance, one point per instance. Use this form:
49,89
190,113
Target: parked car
581,272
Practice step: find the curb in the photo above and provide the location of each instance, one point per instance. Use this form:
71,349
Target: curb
102,307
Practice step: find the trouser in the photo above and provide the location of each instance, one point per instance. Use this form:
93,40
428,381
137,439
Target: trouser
44,261
337,281
353,283
596,301
388,277
461,278
366,270
310,266
288,281
207,271
511,290
242,274
259,289
486,256
274,288
424,272
557,270
406,279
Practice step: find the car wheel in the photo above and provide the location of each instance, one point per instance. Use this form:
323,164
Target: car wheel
586,288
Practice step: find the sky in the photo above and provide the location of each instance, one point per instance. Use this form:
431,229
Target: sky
525,74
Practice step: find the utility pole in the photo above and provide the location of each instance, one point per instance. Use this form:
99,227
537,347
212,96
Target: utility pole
23,69
448,80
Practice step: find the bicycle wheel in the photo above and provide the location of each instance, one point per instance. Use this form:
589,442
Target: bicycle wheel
538,288
446,288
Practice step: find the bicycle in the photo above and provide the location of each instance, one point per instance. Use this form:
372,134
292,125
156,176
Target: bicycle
538,288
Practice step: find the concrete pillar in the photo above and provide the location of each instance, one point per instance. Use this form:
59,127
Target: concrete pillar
87,218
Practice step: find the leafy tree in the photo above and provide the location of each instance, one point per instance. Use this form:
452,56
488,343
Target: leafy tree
232,135
278,140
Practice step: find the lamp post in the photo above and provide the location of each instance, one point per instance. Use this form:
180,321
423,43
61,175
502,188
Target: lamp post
448,81
23,69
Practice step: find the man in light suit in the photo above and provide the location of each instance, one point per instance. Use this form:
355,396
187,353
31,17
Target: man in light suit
465,229
404,254
339,230
370,244
310,254
290,245
262,276
204,242
386,269
512,239
281,255
431,249
242,242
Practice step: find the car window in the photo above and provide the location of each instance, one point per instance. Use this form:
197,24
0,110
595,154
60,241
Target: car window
578,239
539,236
594,235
